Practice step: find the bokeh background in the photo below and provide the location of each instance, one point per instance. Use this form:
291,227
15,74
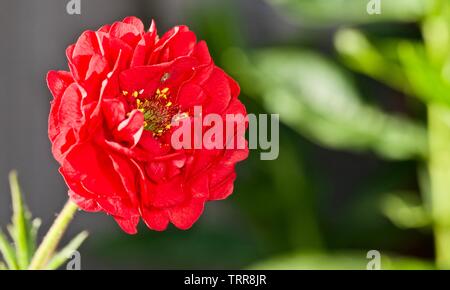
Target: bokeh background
351,175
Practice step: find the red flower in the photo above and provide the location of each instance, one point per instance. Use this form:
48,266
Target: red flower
110,125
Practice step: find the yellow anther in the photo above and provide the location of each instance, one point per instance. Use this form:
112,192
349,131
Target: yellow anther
169,104
124,93
165,90
135,94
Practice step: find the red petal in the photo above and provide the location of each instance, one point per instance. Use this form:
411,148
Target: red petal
126,32
114,112
98,67
130,130
127,177
58,81
184,216
201,53
105,28
88,44
218,91
63,142
86,204
162,52
167,194
69,113
94,170
136,22
128,225
190,95
155,219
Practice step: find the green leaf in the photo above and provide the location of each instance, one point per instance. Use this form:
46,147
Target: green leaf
33,230
20,229
62,256
405,211
315,98
326,12
426,80
339,261
8,252
436,33
358,53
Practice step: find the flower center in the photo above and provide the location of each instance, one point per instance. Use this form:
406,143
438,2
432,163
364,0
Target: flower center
158,110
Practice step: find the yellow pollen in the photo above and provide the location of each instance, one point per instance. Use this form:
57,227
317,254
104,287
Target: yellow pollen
124,93
161,93
169,104
135,94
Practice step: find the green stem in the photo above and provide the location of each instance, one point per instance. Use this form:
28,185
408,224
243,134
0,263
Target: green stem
439,166
54,235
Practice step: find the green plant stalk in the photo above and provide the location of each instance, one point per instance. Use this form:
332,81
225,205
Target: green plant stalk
20,229
439,166
53,237
8,252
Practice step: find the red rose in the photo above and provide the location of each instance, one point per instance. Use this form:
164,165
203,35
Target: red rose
110,125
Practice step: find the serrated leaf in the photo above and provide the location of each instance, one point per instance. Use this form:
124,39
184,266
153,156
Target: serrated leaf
359,54
426,80
34,229
405,211
314,97
21,217
8,252
62,256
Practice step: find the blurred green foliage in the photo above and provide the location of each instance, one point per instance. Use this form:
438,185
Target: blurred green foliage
326,12
355,171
